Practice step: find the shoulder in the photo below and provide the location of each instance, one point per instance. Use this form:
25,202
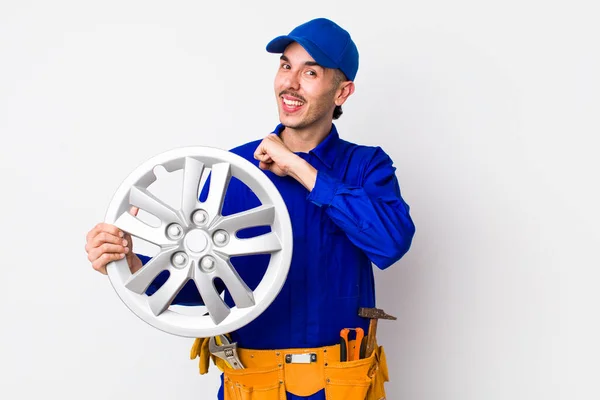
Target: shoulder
367,156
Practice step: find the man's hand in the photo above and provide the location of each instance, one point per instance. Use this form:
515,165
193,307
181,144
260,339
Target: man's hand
106,243
276,157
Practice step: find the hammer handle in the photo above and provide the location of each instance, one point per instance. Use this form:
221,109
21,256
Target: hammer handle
371,337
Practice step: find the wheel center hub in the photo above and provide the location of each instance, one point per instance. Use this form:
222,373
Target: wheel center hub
196,241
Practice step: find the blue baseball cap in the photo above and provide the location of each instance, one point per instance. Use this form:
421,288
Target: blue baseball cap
328,43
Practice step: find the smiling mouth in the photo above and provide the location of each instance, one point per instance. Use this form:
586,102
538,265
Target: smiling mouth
292,103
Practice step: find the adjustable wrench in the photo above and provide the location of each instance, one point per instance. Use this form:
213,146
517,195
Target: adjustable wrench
226,351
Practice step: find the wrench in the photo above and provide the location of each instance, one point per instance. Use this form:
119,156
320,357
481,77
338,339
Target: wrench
226,351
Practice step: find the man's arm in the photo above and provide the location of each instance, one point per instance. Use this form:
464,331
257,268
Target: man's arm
373,215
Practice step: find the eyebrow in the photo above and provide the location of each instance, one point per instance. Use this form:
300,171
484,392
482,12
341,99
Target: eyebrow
309,63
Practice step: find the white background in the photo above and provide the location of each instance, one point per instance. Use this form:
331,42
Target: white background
487,108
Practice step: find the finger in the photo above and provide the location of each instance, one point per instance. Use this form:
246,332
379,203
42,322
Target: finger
264,165
109,228
105,237
100,263
264,158
129,239
274,138
134,210
261,152
106,248
93,232
100,238
259,155
90,234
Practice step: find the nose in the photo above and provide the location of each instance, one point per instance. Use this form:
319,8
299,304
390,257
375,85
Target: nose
291,81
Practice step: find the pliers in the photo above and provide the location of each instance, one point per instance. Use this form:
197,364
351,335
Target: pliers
359,345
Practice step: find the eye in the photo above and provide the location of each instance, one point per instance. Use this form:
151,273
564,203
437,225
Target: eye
310,72
285,66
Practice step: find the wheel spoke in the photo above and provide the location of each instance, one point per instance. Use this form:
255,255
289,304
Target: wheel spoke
139,282
136,227
192,174
217,309
240,292
163,297
258,216
148,202
219,180
267,243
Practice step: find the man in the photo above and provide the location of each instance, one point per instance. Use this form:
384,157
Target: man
344,201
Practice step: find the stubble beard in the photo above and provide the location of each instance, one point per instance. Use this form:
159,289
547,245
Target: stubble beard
312,116
309,119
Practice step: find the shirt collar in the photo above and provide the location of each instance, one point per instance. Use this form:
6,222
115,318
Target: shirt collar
327,150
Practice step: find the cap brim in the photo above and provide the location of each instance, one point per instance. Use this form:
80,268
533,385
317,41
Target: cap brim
280,43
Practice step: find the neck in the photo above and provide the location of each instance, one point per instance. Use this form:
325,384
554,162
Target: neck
304,140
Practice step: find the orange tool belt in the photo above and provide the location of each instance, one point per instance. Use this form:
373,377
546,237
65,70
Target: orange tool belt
267,375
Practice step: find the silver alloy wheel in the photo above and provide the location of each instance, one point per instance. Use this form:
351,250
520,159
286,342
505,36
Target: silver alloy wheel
196,242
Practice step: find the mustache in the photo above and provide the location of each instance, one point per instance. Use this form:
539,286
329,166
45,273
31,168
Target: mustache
290,93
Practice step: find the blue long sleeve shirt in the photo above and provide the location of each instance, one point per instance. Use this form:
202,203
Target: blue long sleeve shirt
354,217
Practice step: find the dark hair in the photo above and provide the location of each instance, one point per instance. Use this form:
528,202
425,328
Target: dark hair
339,77
337,112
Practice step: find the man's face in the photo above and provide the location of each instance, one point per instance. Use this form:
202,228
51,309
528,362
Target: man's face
305,91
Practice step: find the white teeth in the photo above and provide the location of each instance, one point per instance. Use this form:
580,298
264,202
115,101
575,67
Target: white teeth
292,102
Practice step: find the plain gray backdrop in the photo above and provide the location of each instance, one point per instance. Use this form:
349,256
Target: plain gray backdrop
488,109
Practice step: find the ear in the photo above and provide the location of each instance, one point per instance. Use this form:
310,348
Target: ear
346,89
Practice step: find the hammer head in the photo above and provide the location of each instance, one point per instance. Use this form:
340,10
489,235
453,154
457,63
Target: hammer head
374,313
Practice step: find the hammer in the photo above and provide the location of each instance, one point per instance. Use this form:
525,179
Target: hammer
374,314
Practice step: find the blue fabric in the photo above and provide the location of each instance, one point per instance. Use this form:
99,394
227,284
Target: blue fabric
353,217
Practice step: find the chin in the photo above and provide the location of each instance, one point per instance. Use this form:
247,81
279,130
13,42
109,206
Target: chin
289,122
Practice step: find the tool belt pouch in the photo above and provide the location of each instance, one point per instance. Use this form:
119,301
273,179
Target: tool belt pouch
357,379
260,379
253,383
379,375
